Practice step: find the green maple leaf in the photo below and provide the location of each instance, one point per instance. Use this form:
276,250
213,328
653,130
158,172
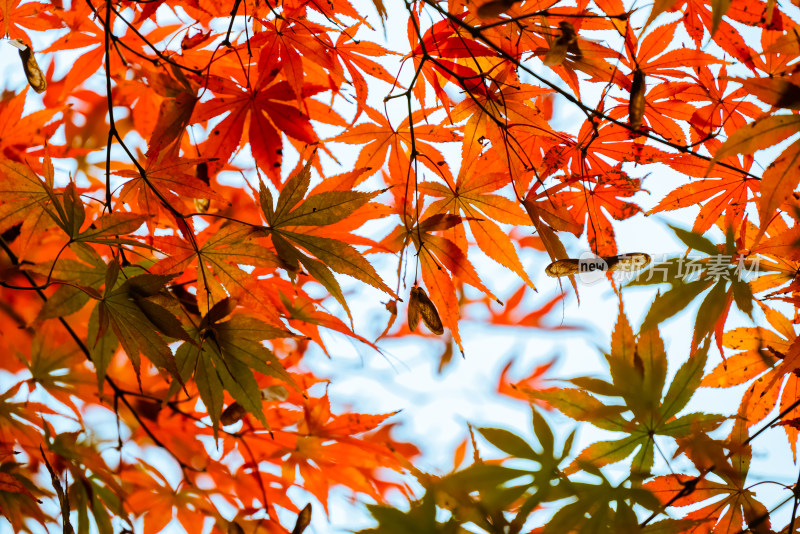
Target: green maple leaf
420,518
223,355
82,281
724,281
108,228
483,494
601,508
294,212
640,409
138,322
26,197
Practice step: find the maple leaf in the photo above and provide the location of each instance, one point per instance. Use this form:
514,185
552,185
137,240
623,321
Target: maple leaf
138,321
326,450
498,485
25,199
779,179
722,271
303,49
725,191
222,356
777,254
596,195
153,497
510,314
264,108
167,179
738,504
47,366
728,112
86,31
652,57
472,198
601,507
638,369
20,497
19,425
595,146
699,18
769,355
18,17
79,277
218,253
434,53
382,139
520,388
30,130
354,57
514,126
289,218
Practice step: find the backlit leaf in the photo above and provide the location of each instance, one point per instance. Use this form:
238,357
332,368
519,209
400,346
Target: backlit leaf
759,134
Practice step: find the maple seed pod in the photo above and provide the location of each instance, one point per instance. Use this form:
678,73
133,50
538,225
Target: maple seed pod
35,76
622,262
413,309
494,8
201,171
566,42
419,305
202,204
636,103
565,267
232,414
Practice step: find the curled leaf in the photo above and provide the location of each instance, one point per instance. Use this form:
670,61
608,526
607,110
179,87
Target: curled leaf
201,171
303,520
232,414
274,393
419,305
636,103
197,39
36,77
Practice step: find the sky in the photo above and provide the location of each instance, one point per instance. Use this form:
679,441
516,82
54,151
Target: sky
436,408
